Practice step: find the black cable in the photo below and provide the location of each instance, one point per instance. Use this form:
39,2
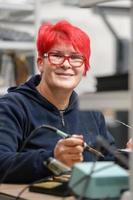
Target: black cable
102,142
27,139
29,185
35,182
87,179
59,132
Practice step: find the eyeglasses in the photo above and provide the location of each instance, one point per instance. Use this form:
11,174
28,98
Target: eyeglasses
75,60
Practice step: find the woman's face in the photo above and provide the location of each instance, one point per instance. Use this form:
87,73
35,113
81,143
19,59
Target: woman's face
61,76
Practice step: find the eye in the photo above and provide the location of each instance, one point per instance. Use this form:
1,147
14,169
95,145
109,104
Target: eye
76,57
56,55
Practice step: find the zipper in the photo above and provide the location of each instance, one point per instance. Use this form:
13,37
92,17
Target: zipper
62,117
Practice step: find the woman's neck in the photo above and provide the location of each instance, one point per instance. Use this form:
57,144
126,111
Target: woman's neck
59,98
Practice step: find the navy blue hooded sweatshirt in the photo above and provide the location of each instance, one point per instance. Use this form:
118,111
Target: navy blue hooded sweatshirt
22,110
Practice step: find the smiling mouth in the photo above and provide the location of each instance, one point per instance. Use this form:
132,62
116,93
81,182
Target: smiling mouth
63,74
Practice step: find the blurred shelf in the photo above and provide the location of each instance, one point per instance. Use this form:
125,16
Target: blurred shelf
117,100
15,15
115,7
15,21
91,3
16,7
13,45
84,3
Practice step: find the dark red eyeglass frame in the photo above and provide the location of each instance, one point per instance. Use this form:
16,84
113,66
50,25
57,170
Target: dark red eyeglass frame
47,55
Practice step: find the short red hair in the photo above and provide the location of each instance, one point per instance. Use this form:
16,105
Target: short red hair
63,31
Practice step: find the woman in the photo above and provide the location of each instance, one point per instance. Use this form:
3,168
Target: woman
49,98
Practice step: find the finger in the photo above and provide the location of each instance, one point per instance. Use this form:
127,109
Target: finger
75,157
71,142
61,150
72,159
72,150
78,136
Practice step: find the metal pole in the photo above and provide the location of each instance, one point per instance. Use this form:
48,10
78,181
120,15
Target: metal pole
37,18
131,91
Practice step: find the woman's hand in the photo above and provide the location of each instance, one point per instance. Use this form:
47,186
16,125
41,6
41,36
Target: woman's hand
69,151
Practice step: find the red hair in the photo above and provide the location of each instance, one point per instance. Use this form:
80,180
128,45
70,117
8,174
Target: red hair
63,31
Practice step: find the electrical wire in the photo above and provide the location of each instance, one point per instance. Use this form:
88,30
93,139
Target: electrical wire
59,132
29,185
35,182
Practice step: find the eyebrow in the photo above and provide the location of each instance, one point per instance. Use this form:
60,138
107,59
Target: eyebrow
72,52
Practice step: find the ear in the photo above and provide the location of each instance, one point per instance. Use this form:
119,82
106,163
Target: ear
40,64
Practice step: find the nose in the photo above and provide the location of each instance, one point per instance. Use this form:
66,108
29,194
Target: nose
66,64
